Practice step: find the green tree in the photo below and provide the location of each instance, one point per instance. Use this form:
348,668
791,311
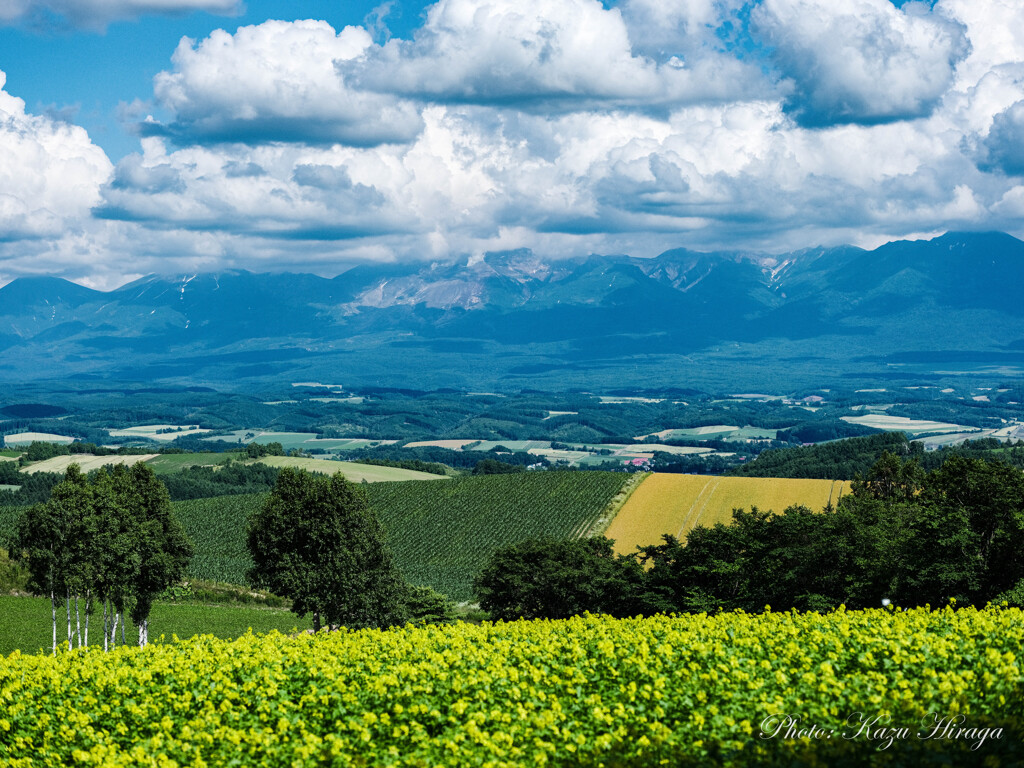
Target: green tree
428,606
46,542
317,542
113,539
117,554
556,579
163,548
982,502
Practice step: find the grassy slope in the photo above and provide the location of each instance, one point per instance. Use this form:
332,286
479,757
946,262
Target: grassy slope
169,463
27,623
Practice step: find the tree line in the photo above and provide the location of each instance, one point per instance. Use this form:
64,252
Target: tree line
111,539
903,535
846,459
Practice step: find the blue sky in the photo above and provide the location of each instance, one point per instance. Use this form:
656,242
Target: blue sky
177,136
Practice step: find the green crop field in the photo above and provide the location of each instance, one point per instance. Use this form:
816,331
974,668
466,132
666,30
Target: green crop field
169,463
217,529
27,623
441,534
163,433
693,690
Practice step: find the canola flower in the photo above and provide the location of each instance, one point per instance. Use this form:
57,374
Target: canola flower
673,690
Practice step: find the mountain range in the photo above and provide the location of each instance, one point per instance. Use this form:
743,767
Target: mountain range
906,311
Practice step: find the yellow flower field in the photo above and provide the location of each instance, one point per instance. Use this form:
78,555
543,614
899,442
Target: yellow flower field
670,503
846,688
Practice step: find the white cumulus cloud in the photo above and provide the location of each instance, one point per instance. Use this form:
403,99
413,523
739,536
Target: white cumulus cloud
50,172
276,81
544,55
861,61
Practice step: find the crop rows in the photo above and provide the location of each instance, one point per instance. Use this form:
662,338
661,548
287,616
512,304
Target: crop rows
688,690
442,534
217,529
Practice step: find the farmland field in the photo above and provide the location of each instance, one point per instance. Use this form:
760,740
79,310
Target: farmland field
303,441
514,445
169,463
443,533
353,471
692,690
716,432
86,461
154,431
454,445
913,426
217,529
673,504
24,438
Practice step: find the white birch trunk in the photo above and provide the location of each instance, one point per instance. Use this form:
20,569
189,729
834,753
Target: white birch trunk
106,637
88,605
78,622
68,605
53,610
113,629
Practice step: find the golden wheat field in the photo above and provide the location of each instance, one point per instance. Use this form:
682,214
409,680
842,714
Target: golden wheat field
669,503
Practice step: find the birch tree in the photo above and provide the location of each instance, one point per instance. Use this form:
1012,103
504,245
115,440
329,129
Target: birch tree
113,540
49,541
163,548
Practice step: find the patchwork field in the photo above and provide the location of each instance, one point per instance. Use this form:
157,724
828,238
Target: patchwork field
715,432
86,461
673,504
304,441
442,534
351,470
158,431
454,445
576,454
